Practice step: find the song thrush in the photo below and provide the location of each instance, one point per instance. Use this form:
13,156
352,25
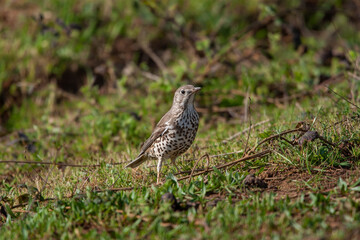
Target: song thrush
174,133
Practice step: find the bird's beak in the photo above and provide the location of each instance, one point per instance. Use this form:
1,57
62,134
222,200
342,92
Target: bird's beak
197,89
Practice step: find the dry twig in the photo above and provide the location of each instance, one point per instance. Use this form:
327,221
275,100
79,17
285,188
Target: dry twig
192,171
344,98
254,156
59,164
248,136
275,136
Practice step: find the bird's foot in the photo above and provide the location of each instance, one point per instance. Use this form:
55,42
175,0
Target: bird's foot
158,180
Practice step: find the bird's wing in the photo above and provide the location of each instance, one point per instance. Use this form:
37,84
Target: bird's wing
166,123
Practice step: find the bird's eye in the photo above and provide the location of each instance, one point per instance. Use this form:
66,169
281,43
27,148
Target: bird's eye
182,91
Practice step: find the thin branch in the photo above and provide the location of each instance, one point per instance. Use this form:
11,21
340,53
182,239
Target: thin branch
344,98
248,136
192,171
254,156
60,164
159,63
276,136
344,151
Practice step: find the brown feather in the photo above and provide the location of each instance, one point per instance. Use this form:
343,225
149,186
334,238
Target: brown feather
137,161
159,130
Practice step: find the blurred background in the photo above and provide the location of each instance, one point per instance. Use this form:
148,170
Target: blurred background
103,72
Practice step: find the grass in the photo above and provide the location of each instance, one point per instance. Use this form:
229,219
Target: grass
84,87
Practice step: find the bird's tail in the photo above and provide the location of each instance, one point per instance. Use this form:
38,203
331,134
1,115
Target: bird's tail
137,161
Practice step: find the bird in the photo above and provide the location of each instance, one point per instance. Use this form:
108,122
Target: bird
174,133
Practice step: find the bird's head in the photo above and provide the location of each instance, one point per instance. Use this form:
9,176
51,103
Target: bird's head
184,96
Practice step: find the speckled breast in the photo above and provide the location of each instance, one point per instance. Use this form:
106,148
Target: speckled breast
176,141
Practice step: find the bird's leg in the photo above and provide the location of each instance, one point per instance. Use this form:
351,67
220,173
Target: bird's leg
174,163
160,161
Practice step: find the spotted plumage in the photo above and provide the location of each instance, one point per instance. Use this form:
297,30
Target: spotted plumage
174,133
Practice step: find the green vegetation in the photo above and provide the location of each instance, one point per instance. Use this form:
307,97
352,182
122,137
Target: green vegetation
82,84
